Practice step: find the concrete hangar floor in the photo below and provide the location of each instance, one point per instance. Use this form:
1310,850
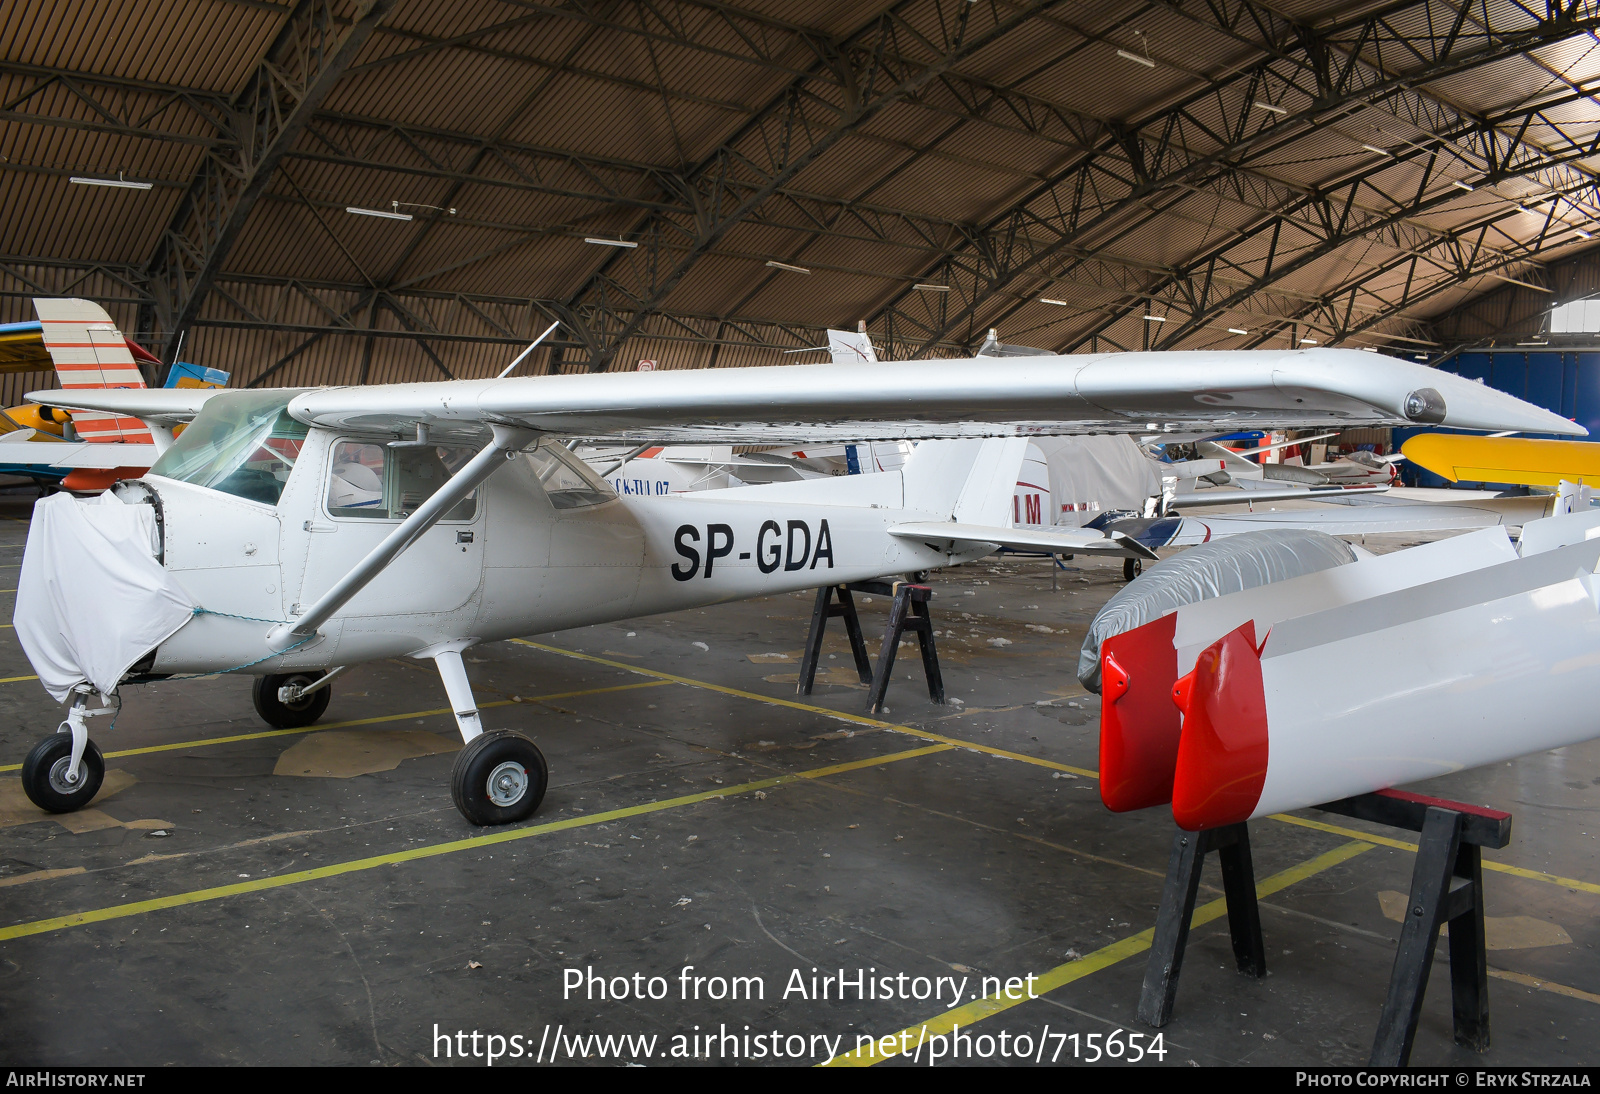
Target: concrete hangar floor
244,895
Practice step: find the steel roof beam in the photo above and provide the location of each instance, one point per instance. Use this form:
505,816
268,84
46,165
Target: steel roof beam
307,58
1317,226
1325,78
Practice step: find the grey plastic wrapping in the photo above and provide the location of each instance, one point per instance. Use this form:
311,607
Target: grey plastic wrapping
1212,569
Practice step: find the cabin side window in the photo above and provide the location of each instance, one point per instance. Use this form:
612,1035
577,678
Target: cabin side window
372,481
568,481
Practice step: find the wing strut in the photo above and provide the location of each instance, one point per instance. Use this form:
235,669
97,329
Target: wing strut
508,441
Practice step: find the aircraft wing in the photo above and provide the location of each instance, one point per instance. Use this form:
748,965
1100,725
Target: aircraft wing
168,406
1223,495
1002,396
1086,542
1342,521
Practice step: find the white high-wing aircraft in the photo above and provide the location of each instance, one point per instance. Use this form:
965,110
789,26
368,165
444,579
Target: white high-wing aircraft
289,534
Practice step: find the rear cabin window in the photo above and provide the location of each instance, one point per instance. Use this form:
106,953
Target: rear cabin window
372,481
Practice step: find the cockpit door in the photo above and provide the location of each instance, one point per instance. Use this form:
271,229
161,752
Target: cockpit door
367,488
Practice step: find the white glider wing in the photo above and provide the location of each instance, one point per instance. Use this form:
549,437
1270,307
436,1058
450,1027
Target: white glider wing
1005,396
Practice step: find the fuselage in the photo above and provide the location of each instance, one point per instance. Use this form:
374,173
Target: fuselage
521,559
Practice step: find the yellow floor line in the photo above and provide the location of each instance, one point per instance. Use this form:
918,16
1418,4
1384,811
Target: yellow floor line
1103,958
413,854
16,679
1321,826
379,720
1544,985
1402,845
858,719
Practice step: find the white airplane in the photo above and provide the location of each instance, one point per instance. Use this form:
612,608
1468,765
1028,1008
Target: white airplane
289,534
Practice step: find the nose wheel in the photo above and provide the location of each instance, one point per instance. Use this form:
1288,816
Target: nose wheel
499,778
1132,568
47,776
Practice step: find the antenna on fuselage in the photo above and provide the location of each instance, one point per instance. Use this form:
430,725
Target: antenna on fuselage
529,350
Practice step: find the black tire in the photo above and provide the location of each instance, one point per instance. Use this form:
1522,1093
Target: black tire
485,782
1132,568
281,715
44,770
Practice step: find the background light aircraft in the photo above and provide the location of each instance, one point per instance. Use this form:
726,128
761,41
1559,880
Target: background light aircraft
1515,460
289,534
81,450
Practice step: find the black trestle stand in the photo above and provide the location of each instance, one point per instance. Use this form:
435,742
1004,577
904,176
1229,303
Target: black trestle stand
1446,889
908,611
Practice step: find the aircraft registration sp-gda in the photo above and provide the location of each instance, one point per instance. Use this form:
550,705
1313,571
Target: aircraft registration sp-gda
290,534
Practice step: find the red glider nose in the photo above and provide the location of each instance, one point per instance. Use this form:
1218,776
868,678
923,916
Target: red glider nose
1222,754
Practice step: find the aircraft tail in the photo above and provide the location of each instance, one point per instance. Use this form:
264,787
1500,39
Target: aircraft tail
90,352
970,481
851,347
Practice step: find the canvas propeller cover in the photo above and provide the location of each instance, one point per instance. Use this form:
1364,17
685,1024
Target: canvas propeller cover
91,597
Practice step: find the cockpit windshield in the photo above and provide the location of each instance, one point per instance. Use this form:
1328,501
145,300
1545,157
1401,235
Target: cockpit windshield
242,443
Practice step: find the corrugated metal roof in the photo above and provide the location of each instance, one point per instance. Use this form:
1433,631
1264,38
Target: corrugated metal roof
666,89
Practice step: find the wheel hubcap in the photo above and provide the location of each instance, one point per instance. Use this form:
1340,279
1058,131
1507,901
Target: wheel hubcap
58,776
507,784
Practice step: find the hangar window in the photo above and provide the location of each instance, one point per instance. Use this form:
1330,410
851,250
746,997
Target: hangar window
242,443
373,481
1578,317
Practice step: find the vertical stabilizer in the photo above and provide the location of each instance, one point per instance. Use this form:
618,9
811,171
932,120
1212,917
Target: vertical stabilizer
90,352
967,481
851,347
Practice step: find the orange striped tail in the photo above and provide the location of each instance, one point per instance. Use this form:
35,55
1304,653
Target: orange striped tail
90,352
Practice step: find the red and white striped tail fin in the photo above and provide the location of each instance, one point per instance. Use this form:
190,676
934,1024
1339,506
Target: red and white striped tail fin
90,352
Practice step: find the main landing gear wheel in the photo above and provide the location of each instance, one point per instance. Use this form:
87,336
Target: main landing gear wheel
1132,568
44,775
296,715
499,778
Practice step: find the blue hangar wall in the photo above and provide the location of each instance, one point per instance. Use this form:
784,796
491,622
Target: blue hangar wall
1565,381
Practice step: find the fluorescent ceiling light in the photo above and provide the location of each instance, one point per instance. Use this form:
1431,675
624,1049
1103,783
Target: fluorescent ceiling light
776,265
1154,319
1533,343
926,288
1047,300
1583,233
1136,58
1376,149
1269,107
1308,342
1236,330
1370,349
385,213
1467,186
122,184
609,242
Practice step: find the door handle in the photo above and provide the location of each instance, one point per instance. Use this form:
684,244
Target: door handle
319,526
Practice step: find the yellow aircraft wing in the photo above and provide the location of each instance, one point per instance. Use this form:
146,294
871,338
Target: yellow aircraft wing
1505,459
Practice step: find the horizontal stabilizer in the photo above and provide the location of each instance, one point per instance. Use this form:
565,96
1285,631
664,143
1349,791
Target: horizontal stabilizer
1085,542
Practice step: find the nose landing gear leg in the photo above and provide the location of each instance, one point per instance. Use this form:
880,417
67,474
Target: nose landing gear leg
64,771
500,776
